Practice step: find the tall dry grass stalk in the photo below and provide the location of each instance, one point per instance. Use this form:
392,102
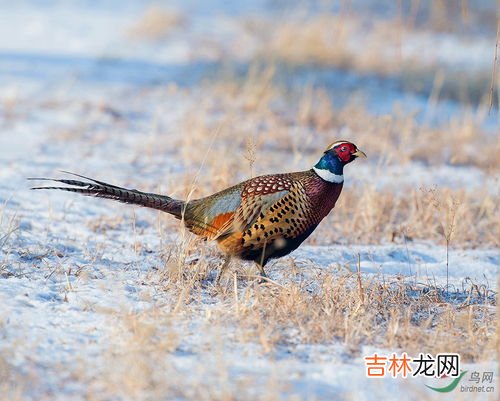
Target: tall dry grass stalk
494,75
8,226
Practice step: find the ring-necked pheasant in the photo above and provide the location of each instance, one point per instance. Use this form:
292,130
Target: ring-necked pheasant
259,219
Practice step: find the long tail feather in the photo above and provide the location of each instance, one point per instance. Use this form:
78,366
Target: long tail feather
102,189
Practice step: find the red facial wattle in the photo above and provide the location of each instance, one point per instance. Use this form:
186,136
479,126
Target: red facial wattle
345,151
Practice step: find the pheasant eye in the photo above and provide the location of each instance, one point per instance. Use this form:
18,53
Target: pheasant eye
343,148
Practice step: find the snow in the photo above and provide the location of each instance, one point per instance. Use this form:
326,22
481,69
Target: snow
67,287
423,262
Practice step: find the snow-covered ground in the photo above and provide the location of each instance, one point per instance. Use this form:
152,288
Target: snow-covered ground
84,302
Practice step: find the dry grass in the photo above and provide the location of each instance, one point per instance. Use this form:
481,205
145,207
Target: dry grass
143,364
250,127
257,131
156,24
332,306
462,17
401,138
8,226
380,314
326,39
243,128
416,214
302,123
329,305
369,46
335,305
327,308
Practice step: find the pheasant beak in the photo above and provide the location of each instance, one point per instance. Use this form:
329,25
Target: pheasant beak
359,153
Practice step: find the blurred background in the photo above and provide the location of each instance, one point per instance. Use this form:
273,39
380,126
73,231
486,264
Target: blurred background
189,97
405,52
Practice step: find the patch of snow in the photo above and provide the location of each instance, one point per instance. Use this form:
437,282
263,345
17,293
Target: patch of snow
424,263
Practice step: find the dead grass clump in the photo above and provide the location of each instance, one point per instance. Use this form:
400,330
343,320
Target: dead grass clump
312,43
320,40
156,24
378,313
424,214
368,46
330,40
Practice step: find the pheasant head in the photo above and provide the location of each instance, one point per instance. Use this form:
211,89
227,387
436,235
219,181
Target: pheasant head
331,165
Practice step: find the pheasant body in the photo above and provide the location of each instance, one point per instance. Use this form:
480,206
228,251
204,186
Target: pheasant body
271,217
262,218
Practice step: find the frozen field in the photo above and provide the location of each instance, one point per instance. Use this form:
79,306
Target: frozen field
104,301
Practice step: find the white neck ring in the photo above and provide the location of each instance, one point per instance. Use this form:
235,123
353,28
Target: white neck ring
329,176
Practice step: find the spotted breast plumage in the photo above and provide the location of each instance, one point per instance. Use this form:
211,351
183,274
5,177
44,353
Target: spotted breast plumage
259,219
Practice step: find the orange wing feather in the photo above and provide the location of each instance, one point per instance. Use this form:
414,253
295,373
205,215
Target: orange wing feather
212,229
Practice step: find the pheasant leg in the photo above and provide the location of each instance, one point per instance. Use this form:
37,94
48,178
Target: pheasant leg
222,270
262,273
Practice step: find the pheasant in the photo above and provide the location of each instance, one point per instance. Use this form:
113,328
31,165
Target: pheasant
259,219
